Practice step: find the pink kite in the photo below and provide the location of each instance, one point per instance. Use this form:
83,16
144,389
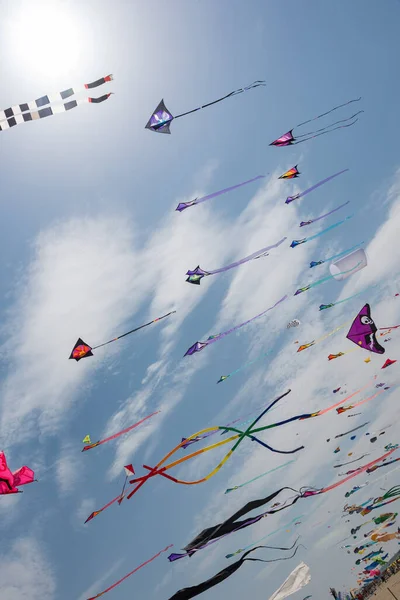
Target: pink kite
9,482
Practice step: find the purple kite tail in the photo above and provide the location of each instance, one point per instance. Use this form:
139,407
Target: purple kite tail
290,199
198,273
198,346
182,205
303,223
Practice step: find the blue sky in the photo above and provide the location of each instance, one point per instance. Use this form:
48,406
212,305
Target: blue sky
92,246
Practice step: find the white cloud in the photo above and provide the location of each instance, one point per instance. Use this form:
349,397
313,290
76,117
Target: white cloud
85,508
25,573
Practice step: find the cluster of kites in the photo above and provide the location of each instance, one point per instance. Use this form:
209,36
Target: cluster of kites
362,332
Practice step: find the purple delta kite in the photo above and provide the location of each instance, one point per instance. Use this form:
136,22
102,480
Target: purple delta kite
182,205
198,273
161,119
287,139
362,331
290,199
198,346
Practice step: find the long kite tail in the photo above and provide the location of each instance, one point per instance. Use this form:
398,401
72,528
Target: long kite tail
308,239
136,329
329,111
290,199
115,435
254,255
304,223
327,278
198,346
182,205
131,573
253,85
33,105
195,590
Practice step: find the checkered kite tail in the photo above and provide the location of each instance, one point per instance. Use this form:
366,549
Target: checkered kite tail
45,107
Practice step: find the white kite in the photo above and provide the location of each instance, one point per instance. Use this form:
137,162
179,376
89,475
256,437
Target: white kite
297,579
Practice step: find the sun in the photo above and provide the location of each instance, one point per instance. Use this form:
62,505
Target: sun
45,39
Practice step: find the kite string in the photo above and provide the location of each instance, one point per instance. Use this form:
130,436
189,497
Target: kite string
234,93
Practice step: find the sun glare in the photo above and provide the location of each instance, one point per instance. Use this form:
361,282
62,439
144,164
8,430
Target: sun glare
46,40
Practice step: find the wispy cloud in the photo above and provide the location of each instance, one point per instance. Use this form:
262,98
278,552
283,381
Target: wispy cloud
26,573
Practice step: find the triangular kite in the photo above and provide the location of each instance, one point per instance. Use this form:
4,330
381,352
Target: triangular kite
129,470
362,331
290,174
86,440
388,363
80,350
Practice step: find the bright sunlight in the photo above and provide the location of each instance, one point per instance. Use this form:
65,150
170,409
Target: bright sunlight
47,40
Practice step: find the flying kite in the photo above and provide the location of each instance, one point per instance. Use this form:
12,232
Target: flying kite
293,323
115,435
114,585
198,346
291,173
236,487
195,590
357,260
82,350
210,535
362,331
355,489
10,482
325,306
241,550
45,107
388,362
312,237
337,389
297,579
321,339
161,119
350,462
183,205
287,139
342,409
304,223
319,281
351,430
248,364
198,273
315,263
290,199
333,356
